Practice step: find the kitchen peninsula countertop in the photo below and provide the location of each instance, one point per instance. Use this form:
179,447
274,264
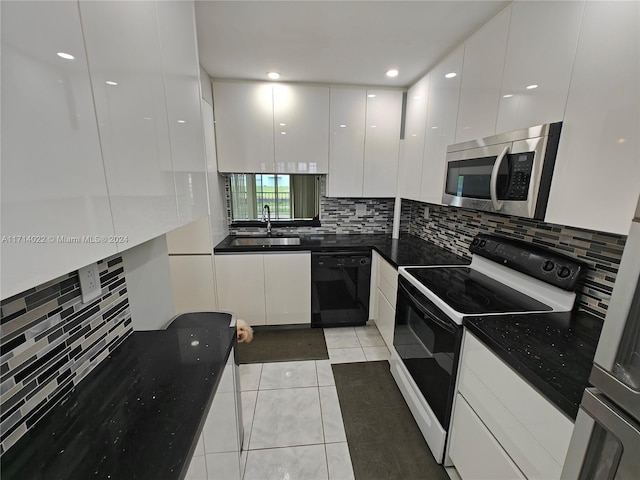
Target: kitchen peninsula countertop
138,414
553,352
405,251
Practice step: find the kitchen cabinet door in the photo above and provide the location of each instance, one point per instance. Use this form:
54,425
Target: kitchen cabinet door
217,200
243,113
533,432
287,280
540,51
217,453
346,142
181,73
192,283
474,451
125,62
442,112
382,143
596,179
410,168
384,290
482,72
53,190
241,287
301,128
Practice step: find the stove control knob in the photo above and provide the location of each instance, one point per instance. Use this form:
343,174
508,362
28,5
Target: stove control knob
482,243
548,266
564,272
475,242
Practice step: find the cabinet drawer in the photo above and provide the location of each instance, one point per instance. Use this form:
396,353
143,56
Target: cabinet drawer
388,281
531,430
386,319
475,453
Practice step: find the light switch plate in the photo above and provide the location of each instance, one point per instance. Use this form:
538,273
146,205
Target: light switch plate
361,209
90,287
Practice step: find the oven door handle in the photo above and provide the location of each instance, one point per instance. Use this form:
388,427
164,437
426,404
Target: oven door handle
493,185
425,311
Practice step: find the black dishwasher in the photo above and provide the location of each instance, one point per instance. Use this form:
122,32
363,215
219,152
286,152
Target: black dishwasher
340,283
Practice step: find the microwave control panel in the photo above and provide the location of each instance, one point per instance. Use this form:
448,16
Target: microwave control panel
520,166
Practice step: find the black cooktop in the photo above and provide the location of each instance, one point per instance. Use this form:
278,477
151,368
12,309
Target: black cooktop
470,292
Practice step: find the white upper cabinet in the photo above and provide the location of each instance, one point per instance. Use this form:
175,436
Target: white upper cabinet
596,179
123,47
481,79
364,142
53,186
444,95
382,143
182,90
410,168
541,50
244,126
265,127
346,133
301,128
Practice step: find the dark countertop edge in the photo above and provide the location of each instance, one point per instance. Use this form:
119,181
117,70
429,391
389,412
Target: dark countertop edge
384,250
196,437
568,408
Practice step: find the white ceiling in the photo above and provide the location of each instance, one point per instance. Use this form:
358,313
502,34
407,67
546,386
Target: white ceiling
345,42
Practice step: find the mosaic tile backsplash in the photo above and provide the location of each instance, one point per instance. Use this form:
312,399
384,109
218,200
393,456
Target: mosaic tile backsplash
337,215
50,341
453,229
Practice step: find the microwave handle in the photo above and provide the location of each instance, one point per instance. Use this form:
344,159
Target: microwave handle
497,204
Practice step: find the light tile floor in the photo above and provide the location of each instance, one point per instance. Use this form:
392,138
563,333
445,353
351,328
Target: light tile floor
292,420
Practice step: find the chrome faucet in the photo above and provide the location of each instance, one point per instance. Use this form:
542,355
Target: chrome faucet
267,218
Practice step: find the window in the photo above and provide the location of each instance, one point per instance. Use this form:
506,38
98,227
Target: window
289,197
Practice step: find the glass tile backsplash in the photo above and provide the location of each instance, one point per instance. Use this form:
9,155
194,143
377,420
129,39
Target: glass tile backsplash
50,341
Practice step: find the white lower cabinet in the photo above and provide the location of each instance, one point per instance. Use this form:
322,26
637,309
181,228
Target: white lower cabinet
383,293
474,451
287,282
217,455
265,289
526,427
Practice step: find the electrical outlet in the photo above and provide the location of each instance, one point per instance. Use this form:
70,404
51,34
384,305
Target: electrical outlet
426,213
361,209
90,287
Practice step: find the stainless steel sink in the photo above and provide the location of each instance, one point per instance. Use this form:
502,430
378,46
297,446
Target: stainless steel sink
264,241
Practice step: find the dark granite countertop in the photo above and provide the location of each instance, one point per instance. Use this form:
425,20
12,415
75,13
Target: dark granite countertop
137,415
405,251
553,352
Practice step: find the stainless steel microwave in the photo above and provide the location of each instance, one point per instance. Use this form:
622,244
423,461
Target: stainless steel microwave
509,173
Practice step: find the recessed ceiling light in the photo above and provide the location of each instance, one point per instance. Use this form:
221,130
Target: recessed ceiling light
109,82
392,73
508,95
451,75
181,121
531,87
343,126
621,140
433,128
282,124
373,126
417,97
273,75
371,95
66,56
283,133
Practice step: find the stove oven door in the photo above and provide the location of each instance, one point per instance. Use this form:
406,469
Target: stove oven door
428,343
